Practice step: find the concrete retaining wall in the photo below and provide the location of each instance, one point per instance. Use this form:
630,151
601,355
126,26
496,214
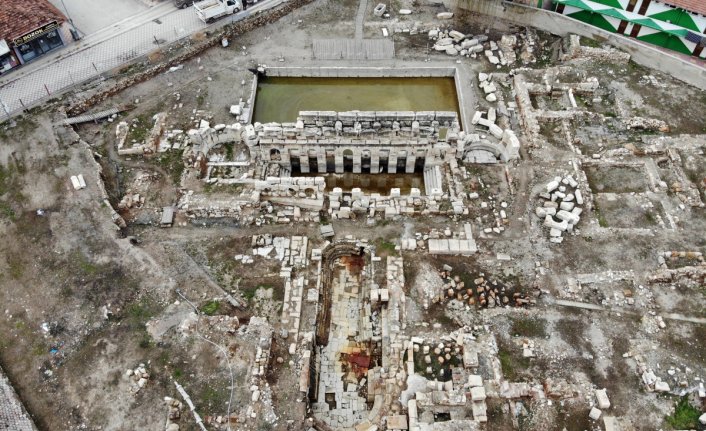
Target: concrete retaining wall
383,72
558,24
363,72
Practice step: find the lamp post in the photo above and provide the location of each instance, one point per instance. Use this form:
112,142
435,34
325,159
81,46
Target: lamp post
74,33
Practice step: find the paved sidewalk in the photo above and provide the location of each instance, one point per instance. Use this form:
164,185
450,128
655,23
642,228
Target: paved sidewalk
104,51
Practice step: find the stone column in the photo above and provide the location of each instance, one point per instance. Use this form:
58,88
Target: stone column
321,160
357,161
429,158
411,161
285,160
374,160
392,162
304,162
338,157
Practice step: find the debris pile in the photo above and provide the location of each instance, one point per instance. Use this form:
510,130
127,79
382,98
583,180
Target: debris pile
174,414
454,43
135,195
435,360
481,291
561,209
488,87
648,124
139,377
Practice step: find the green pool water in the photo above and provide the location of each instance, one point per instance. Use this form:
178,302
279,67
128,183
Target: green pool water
279,99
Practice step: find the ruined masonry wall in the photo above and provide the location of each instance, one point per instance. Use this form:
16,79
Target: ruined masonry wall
642,54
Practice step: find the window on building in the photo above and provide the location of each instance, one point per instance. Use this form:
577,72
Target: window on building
40,45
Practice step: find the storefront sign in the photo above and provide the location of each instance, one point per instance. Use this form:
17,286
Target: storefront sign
36,33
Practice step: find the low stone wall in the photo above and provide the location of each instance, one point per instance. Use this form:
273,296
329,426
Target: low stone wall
362,72
301,187
562,25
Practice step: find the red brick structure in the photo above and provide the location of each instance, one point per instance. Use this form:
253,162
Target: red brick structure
698,6
29,29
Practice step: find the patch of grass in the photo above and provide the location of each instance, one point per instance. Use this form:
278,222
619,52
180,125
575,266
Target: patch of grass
10,189
86,266
585,41
39,349
145,341
172,162
212,399
685,415
211,308
6,211
384,247
139,312
223,188
140,129
15,266
201,98
526,327
602,222
249,292
512,363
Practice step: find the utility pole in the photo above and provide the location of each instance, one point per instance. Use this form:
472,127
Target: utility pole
74,33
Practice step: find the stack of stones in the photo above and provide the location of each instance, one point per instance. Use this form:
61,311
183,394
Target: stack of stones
174,413
485,82
454,42
139,377
561,208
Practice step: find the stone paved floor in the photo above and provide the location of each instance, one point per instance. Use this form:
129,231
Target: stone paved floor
350,408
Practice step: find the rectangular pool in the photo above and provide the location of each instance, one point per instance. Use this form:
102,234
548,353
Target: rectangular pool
279,99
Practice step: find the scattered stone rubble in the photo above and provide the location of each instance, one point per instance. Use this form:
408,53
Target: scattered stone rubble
561,209
455,43
135,194
481,148
482,292
573,50
138,377
149,146
174,415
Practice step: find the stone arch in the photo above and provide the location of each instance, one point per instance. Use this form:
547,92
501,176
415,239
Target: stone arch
310,192
347,152
275,155
498,150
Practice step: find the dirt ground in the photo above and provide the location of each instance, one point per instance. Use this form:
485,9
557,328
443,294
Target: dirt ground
84,301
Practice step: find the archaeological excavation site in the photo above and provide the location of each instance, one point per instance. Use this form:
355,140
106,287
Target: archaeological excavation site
348,215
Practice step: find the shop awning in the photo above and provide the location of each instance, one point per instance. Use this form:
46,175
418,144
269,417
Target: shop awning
624,15
4,49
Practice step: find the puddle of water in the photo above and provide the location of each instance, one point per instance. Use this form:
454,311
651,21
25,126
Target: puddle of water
279,99
372,183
